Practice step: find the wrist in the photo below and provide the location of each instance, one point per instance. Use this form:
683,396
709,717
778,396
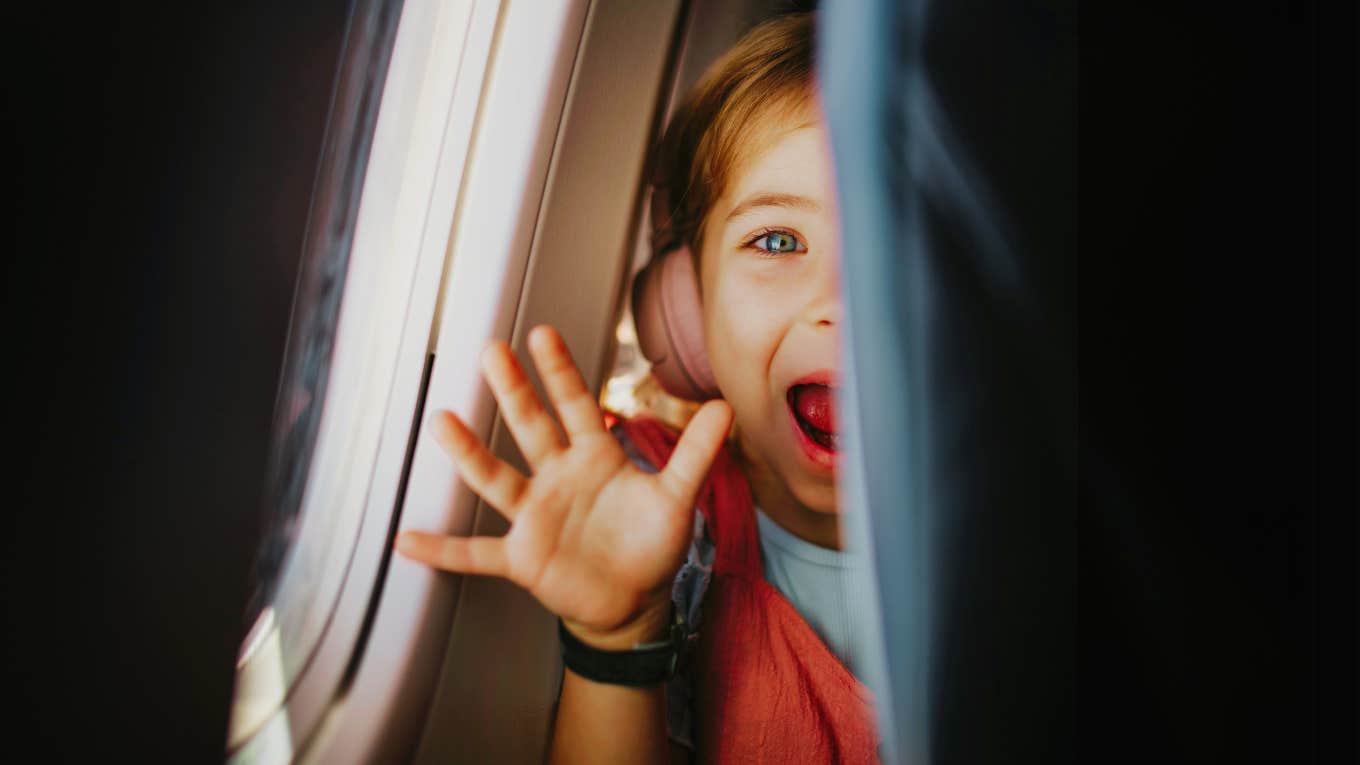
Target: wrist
625,656
651,624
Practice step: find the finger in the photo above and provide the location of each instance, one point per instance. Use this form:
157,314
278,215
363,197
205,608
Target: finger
529,423
463,555
567,389
496,482
698,446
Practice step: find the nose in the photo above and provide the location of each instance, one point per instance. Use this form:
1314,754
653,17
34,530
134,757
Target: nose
824,308
828,312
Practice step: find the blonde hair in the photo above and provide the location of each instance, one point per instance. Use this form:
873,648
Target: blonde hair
715,129
712,132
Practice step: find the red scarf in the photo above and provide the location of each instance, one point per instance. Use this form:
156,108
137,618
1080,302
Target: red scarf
766,688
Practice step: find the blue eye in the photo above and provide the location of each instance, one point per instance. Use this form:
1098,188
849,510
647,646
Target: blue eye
778,242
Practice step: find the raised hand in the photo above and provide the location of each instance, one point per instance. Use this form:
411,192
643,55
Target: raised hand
596,540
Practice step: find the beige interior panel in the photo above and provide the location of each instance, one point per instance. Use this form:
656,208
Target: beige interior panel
500,676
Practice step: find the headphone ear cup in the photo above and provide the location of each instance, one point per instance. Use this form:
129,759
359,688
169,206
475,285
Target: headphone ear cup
669,316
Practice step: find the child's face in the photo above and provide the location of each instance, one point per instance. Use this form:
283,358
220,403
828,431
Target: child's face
769,271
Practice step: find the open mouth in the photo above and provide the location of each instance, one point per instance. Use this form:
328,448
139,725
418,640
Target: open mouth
811,405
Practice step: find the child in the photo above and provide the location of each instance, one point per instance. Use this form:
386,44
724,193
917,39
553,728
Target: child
604,533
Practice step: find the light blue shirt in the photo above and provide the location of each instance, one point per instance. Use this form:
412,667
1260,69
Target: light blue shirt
820,583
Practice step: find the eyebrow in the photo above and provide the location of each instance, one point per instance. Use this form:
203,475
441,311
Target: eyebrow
771,199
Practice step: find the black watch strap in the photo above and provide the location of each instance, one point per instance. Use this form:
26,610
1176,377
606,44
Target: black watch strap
646,664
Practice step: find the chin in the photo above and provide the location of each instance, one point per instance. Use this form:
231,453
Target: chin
818,497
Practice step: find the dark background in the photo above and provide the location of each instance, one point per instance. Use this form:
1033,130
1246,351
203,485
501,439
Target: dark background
1217,539
164,157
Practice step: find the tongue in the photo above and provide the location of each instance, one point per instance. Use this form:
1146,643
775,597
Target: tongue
813,404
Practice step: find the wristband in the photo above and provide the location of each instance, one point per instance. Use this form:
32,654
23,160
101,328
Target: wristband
646,664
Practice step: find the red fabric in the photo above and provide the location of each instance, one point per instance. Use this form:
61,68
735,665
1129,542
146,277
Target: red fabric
767,689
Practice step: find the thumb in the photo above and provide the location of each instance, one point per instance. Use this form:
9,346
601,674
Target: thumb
698,446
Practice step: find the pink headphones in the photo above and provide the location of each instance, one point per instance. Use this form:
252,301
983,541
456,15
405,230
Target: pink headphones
668,313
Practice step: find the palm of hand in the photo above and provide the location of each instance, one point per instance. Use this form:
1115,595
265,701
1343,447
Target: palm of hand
613,532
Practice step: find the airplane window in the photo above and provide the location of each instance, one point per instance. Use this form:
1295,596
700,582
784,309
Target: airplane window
300,564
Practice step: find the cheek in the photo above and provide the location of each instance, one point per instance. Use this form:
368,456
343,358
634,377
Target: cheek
742,327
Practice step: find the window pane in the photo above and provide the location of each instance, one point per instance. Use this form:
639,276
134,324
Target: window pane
302,557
